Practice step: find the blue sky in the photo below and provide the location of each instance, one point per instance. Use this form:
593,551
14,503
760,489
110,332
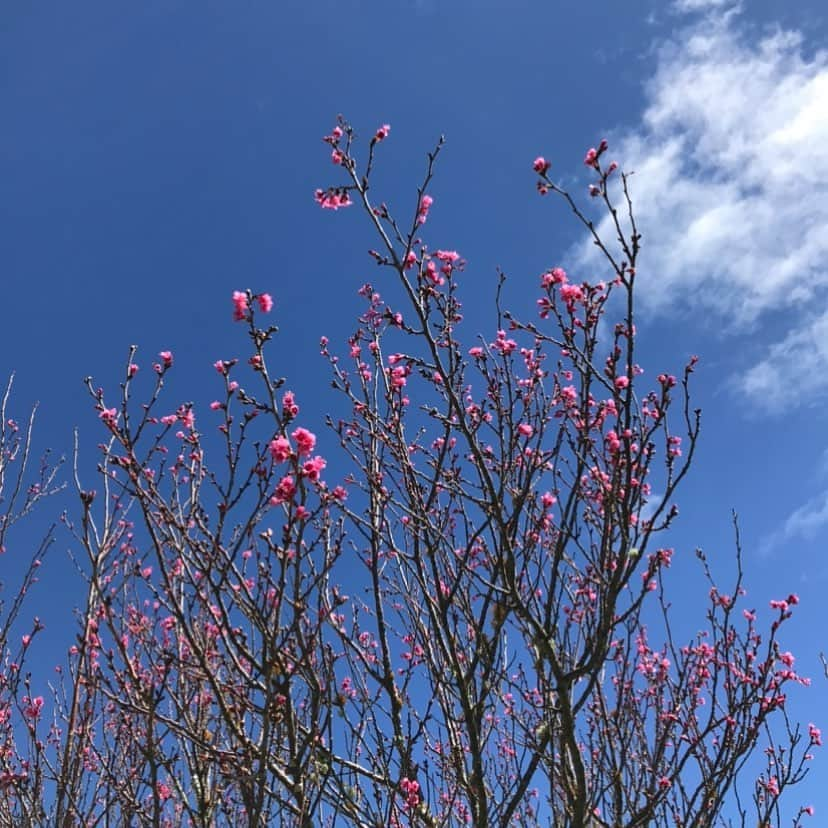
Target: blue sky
155,157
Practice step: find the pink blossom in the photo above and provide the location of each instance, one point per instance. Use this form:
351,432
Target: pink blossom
305,440
289,407
571,294
556,276
525,429
313,468
32,707
613,442
132,370
548,500
284,491
280,449
109,416
540,165
240,305
265,302
166,358
476,352
398,376
591,157
621,382
425,205
410,791
815,734
332,198
502,344
382,132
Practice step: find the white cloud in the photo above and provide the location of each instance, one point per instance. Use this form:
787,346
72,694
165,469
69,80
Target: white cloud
700,5
731,185
804,523
798,361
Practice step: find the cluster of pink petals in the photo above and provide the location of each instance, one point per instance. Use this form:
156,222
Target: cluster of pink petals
313,468
305,440
289,407
410,790
241,305
592,154
280,449
425,205
556,276
333,198
571,294
32,708
503,344
284,491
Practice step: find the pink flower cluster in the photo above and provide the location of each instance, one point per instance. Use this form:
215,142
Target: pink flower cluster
241,304
503,343
284,491
592,155
411,792
32,707
333,198
425,205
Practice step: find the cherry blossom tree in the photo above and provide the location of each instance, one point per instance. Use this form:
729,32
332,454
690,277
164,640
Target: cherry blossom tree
463,619
23,487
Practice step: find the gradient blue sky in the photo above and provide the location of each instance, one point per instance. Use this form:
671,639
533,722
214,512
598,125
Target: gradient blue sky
154,157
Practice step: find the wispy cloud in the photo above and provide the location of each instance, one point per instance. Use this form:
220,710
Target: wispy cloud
731,187
700,5
803,524
798,362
